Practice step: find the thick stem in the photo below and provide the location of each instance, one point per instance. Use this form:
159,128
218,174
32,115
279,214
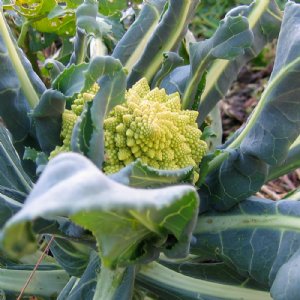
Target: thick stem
25,82
108,283
161,276
44,283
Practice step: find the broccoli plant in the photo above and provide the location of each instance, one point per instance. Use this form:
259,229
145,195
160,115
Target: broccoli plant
113,185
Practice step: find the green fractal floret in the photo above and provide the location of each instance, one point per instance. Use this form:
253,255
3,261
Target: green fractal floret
69,119
151,126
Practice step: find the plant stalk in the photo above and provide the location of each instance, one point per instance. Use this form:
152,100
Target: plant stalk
108,283
180,284
25,82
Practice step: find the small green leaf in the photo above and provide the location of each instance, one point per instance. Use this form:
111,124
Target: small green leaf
171,61
140,175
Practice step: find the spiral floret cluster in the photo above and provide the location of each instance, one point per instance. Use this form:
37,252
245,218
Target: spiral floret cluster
151,126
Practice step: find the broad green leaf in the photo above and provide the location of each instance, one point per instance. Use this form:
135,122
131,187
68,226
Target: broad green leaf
140,175
20,87
168,284
12,175
256,237
31,8
129,224
166,37
48,15
47,117
286,285
264,19
228,42
132,45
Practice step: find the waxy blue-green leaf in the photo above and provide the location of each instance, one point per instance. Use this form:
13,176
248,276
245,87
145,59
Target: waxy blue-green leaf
48,117
20,87
129,224
71,80
291,163
238,177
54,67
12,175
264,19
86,25
72,257
8,205
286,285
176,80
85,285
132,45
228,42
168,284
256,237
171,61
262,137
166,37
100,284
140,175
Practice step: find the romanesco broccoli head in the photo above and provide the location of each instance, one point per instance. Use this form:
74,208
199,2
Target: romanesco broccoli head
149,125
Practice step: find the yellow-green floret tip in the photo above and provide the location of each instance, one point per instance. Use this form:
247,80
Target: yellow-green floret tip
151,125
